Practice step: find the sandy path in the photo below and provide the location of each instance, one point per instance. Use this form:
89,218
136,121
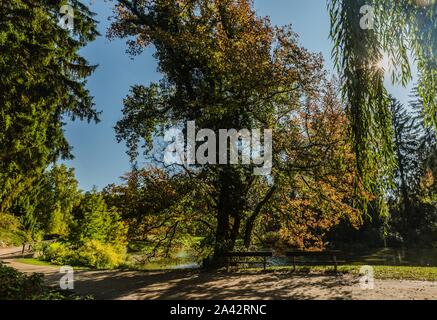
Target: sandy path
203,285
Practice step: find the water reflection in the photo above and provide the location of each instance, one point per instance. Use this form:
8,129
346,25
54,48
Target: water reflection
382,256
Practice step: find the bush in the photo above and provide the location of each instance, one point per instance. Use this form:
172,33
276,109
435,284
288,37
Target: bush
15,285
9,222
98,255
97,239
10,231
57,253
92,254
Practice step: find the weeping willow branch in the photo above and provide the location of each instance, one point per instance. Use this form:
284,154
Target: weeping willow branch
400,28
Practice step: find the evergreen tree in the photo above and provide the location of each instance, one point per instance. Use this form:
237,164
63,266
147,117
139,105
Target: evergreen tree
406,133
93,220
413,212
43,82
46,207
427,136
58,197
406,144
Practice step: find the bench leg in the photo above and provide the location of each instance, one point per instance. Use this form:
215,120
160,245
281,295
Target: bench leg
334,259
265,263
24,248
229,264
294,264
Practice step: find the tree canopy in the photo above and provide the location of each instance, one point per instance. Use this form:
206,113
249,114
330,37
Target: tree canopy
227,68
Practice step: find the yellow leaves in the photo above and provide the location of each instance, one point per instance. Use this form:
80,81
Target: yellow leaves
321,190
317,208
428,187
428,180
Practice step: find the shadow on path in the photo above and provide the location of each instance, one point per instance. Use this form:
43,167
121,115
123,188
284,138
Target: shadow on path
220,286
192,285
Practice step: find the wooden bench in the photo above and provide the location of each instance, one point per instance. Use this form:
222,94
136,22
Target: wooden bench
235,258
332,254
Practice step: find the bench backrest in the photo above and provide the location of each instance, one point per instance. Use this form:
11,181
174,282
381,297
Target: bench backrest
248,254
297,253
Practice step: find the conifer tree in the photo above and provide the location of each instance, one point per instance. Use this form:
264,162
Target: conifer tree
43,84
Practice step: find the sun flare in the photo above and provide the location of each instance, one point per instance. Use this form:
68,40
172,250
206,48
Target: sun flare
384,64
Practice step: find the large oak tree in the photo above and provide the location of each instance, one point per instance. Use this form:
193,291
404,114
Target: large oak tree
227,68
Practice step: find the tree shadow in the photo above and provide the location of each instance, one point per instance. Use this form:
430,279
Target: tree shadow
218,286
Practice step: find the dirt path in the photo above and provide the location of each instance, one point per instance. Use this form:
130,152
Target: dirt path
127,285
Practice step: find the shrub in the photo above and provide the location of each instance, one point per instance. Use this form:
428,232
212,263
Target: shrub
91,253
9,222
15,285
10,231
98,255
98,237
58,253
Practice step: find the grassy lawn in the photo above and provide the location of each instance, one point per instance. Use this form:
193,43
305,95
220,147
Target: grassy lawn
145,267
410,273
151,267
37,262
381,272
162,264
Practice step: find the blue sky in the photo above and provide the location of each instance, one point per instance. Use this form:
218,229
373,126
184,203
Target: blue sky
99,159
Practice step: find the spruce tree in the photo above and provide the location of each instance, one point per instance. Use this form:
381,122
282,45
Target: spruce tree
43,83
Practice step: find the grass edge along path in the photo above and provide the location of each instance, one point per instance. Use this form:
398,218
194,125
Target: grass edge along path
381,272
38,262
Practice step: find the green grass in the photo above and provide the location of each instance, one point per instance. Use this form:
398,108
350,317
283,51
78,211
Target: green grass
150,267
381,272
406,273
37,262
145,267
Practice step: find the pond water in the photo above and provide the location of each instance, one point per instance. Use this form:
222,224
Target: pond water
381,256
184,266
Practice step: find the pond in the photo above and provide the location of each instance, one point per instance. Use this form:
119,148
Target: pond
381,256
